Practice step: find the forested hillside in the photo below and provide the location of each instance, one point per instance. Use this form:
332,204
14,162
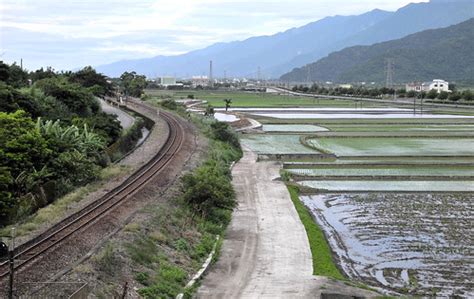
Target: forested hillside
52,136
441,53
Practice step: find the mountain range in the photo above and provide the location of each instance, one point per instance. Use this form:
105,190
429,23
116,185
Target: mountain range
277,54
445,53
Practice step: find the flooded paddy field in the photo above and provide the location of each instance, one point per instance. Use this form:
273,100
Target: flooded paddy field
416,243
392,190
386,170
293,128
275,144
380,185
400,128
394,146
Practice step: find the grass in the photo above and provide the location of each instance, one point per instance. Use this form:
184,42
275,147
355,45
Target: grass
323,263
53,212
248,99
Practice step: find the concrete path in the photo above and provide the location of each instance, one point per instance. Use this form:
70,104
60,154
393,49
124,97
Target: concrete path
126,120
266,252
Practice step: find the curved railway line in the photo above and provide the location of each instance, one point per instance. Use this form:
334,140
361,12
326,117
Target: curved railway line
28,252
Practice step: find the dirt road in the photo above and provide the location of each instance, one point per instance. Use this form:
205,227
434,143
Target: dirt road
266,252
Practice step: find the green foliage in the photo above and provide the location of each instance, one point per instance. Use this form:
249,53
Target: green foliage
133,84
432,94
168,282
227,102
105,125
454,97
443,95
207,189
323,263
95,82
209,111
222,131
169,104
143,278
128,141
78,99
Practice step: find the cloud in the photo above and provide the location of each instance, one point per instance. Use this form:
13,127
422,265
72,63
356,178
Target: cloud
108,30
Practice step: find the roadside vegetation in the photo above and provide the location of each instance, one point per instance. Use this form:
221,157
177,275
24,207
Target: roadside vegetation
169,248
323,263
53,136
361,91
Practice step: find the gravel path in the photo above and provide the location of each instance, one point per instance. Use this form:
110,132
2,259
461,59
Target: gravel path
266,252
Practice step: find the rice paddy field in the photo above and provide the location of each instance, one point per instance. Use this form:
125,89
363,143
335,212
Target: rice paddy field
420,244
394,146
387,170
275,144
395,199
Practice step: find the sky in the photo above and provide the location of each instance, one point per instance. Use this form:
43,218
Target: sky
68,34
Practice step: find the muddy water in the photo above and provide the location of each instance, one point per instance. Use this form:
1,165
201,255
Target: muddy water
422,244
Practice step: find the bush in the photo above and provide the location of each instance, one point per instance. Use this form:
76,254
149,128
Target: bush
223,132
169,104
454,97
443,95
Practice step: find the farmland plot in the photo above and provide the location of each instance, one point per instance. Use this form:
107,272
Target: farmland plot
416,243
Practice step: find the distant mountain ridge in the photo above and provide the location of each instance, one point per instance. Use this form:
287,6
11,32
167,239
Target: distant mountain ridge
446,53
281,52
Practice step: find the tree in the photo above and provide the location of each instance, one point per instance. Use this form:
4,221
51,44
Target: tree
411,94
468,95
227,104
97,83
77,98
443,95
432,94
42,74
17,76
209,111
133,84
454,96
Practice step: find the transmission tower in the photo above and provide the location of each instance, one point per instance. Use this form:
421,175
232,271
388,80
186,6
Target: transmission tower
389,73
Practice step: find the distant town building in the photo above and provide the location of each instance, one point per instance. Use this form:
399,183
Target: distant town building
437,84
200,81
347,86
167,81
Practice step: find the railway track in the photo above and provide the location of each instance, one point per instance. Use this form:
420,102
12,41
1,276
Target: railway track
28,252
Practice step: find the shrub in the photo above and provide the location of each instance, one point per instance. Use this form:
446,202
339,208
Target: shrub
223,132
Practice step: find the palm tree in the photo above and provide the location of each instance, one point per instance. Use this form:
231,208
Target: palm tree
227,103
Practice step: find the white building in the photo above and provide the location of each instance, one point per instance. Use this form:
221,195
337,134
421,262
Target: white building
200,80
437,84
167,81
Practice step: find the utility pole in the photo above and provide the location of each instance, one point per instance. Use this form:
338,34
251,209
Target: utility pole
389,73
11,261
258,76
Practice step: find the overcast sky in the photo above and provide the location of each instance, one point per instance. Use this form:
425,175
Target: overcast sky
68,34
